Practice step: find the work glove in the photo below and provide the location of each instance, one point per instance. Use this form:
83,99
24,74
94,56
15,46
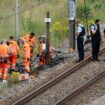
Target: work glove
0,60
18,55
5,60
59,51
4,82
37,55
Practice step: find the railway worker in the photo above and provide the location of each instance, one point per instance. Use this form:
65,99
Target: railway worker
42,52
4,61
80,40
26,55
96,39
31,40
14,52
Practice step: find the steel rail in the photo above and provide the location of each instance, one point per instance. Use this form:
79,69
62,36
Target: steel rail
81,88
54,81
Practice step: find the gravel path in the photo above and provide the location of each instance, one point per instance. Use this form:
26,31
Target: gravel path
99,101
70,83
92,95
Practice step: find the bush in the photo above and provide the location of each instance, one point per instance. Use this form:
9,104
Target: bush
83,13
59,32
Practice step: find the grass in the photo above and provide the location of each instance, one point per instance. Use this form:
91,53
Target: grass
32,19
58,10
97,7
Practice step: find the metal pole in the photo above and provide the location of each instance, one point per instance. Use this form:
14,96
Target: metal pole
86,17
47,20
72,15
17,11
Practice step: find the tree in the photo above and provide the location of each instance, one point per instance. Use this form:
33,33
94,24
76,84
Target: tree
83,13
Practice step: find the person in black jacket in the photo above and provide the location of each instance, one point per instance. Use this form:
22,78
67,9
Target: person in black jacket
104,32
80,40
96,39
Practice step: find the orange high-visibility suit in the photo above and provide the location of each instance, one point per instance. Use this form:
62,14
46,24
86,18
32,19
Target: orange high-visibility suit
14,51
31,42
40,48
4,62
26,55
42,54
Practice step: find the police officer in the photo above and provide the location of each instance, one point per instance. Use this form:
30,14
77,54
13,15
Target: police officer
80,40
96,39
104,32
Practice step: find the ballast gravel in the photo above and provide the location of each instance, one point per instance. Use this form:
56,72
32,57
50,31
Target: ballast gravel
7,94
68,84
93,95
19,90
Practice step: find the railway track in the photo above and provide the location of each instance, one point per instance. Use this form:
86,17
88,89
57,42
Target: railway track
54,81
81,88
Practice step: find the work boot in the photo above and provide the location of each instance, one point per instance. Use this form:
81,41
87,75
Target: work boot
27,77
95,59
4,82
79,60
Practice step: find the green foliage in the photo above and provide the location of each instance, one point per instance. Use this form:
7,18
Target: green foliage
13,78
59,31
83,13
33,26
97,6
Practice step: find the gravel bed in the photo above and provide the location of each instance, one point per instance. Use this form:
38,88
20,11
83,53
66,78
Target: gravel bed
13,93
9,93
68,84
99,101
91,94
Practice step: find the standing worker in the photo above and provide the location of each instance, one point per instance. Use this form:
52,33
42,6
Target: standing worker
14,52
26,55
80,40
96,39
31,40
4,61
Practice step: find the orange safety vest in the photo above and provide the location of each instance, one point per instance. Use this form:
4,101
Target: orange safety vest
4,51
30,41
26,50
0,49
40,48
13,47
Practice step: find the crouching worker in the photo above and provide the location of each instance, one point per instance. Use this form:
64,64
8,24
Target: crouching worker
4,61
42,51
26,57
